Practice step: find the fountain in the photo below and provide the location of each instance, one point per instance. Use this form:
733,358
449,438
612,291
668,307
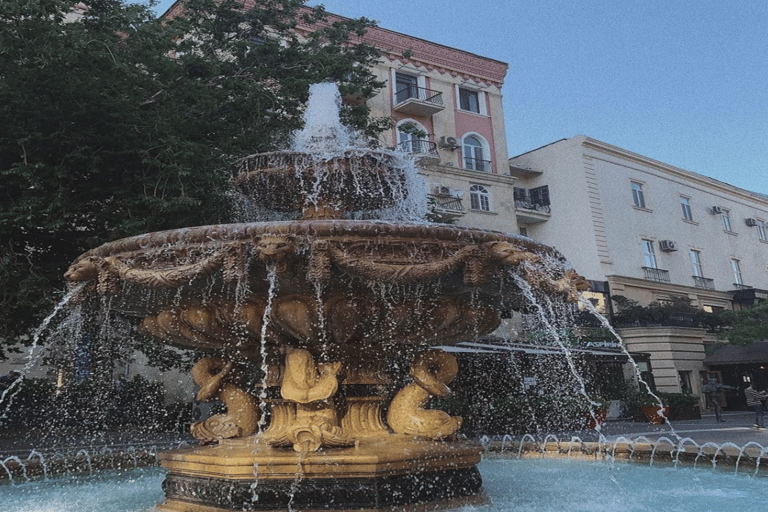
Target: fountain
325,309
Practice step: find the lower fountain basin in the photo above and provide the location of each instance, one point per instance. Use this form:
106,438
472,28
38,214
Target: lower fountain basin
545,485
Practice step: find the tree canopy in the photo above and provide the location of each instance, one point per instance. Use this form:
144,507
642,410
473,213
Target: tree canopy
116,122
746,326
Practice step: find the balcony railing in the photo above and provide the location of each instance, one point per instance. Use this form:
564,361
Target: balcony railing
656,274
475,164
704,283
418,93
418,101
418,147
527,205
448,202
739,286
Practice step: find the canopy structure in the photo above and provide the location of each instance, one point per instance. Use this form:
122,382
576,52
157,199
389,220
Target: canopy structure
755,353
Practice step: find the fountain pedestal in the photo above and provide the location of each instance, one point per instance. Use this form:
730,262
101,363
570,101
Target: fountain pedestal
377,474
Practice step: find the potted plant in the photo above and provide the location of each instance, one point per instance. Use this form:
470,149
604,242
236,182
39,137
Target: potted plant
682,406
649,407
596,415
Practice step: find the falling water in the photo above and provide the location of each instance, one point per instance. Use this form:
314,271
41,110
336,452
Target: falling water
323,135
33,354
605,324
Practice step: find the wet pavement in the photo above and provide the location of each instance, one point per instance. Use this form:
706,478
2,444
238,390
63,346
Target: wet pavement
737,429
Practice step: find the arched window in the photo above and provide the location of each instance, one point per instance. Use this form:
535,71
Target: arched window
474,155
479,198
412,137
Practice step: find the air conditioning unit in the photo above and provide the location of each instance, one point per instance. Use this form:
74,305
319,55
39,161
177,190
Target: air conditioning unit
752,222
440,190
448,143
717,210
667,245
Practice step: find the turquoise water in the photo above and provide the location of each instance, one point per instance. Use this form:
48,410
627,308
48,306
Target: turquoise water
548,485
107,491
570,485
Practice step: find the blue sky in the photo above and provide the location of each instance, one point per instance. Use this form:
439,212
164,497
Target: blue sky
681,81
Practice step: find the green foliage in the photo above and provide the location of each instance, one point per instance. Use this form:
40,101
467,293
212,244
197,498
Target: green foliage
677,311
104,135
678,399
28,403
519,414
745,326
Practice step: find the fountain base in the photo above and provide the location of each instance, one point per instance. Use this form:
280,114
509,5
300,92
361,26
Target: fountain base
378,475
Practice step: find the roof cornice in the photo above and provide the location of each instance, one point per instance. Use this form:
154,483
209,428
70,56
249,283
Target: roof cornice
604,147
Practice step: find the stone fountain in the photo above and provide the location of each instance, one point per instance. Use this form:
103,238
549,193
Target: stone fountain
324,309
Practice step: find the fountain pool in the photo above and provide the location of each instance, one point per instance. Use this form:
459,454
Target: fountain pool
542,485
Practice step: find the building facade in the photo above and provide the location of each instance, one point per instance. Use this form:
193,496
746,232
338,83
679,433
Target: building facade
651,232
446,110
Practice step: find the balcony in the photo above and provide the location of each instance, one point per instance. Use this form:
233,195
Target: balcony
448,203
422,151
531,213
656,274
703,283
748,296
475,164
418,101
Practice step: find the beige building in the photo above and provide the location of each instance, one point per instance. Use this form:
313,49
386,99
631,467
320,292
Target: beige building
649,231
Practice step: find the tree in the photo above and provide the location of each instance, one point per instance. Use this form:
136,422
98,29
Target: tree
745,326
115,122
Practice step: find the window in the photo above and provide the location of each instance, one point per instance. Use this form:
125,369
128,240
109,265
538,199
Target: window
725,217
469,100
685,382
685,204
479,198
649,254
409,135
473,155
406,86
696,263
637,194
761,230
540,195
736,268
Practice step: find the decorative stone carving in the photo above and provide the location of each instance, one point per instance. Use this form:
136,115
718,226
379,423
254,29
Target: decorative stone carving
216,379
207,326
277,250
310,420
432,371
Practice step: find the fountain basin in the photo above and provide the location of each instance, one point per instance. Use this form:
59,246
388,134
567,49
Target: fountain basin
545,485
346,284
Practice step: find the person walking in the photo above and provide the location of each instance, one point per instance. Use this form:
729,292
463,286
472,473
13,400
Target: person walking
712,390
755,401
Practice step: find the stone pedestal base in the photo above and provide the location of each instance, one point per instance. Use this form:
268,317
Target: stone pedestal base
383,474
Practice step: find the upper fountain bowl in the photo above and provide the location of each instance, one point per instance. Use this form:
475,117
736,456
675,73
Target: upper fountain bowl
323,188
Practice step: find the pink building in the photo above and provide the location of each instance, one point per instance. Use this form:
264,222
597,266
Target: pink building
446,108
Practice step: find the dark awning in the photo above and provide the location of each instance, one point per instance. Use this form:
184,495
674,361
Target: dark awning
755,353
507,347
